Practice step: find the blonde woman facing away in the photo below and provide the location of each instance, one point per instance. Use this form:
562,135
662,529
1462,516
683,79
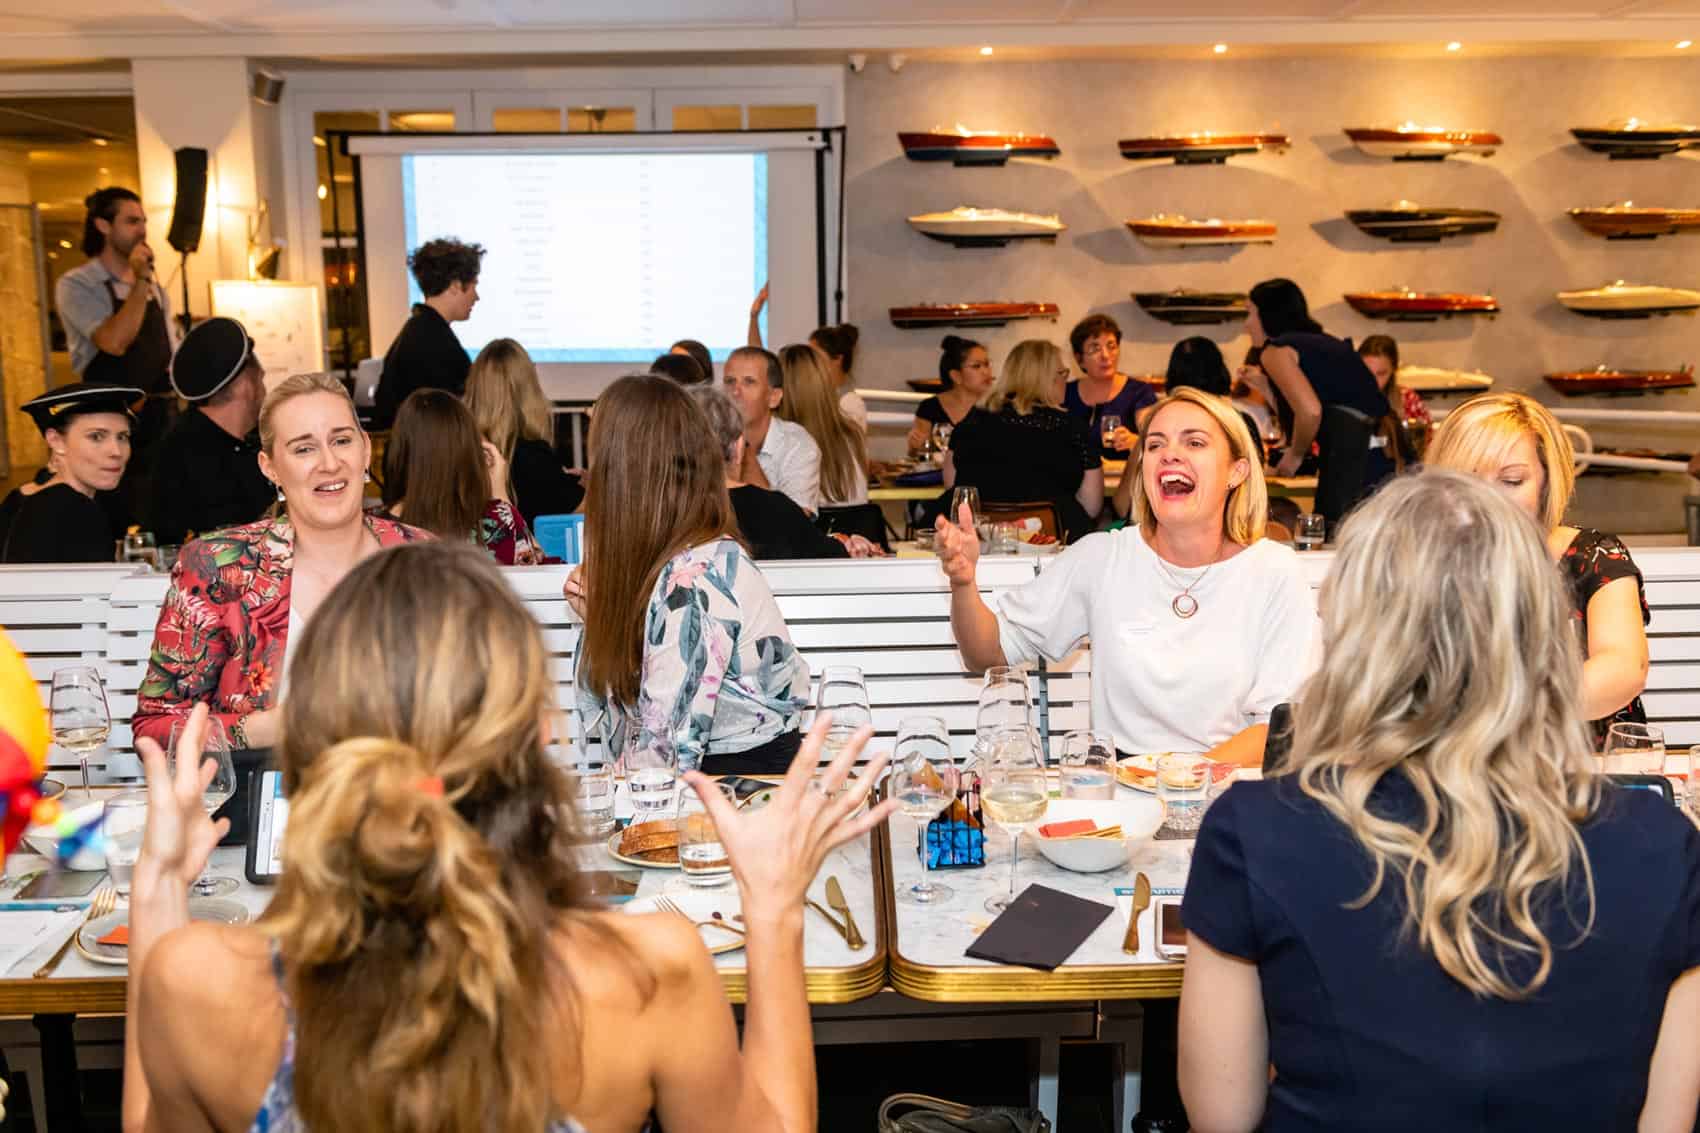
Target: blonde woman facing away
1199,626
511,412
1514,443
1434,914
811,402
431,962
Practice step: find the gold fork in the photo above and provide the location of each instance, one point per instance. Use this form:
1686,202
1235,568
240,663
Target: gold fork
667,905
104,902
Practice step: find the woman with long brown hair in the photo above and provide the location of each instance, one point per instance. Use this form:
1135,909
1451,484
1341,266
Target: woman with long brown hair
512,413
684,648
439,474
431,963
810,402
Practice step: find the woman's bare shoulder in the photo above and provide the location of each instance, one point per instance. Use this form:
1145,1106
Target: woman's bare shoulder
625,957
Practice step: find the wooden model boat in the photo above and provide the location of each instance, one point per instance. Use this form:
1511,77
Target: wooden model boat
1186,307
1410,142
968,227
1164,231
969,314
1622,300
969,147
1404,305
1434,379
1626,221
1635,140
1607,379
1404,221
1201,148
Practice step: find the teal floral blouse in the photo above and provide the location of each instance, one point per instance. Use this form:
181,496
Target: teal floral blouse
720,675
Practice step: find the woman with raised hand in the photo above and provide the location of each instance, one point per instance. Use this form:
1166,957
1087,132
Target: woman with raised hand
1435,913
1515,443
1199,625
430,963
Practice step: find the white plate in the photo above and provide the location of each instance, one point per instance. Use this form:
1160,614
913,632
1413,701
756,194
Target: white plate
214,910
613,847
700,906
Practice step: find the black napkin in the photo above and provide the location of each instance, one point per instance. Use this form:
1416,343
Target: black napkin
1041,929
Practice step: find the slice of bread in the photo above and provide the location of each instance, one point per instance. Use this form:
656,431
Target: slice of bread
651,841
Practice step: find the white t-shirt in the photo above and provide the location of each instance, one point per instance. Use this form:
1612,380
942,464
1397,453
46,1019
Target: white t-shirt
1160,682
790,460
850,403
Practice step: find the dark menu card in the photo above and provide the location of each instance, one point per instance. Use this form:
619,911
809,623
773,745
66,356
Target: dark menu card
1041,929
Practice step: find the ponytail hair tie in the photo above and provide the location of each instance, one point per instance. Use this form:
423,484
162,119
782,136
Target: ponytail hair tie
431,785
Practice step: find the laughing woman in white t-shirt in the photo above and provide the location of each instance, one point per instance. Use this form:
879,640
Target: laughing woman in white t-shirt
1199,626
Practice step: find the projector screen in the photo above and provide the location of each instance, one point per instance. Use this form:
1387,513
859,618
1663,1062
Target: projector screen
600,250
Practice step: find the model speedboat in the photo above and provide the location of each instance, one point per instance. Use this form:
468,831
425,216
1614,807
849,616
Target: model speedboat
1627,221
968,227
1410,142
1635,140
1404,221
1435,379
1405,305
1609,379
969,314
1201,148
962,146
1622,300
1186,307
1164,231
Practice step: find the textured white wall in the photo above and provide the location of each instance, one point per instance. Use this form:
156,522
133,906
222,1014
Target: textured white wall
1087,106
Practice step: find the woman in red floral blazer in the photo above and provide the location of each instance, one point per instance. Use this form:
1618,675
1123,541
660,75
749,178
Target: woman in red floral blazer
224,632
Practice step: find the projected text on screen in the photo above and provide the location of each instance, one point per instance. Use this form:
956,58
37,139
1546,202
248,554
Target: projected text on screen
599,257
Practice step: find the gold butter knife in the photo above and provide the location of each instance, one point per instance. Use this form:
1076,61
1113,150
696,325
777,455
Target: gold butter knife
835,898
830,919
1141,902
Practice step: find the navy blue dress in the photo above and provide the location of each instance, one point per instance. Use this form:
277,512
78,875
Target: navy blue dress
1134,396
1367,1032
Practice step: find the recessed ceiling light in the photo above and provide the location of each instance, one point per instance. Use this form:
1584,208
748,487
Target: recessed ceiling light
323,191
1455,46
1684,44
985,51
1220,49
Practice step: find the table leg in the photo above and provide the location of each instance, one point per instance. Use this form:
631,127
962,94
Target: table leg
61,1094
1042,1090
1128,1068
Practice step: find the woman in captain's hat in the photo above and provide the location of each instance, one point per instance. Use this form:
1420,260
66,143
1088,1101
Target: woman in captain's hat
87,426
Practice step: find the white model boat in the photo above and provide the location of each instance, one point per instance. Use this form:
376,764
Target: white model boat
1622,300
968,227
1436,379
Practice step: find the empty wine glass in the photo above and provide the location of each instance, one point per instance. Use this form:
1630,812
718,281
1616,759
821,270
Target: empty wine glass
1004,700
925,781
969,495
1635,749
844,693
80,717
1012,794
215,748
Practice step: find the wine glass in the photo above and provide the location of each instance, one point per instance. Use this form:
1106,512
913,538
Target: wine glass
1004,700
925,781
215,748
965,494
81,719
1108,424
1012,794
844,693
1635,749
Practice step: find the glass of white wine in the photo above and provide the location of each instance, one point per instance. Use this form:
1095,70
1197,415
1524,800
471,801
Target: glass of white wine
924,781
844,693
1635,749
1013,794
215,748
81,719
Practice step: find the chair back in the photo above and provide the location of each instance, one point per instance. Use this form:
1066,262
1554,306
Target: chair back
1277,532
866,520
560,536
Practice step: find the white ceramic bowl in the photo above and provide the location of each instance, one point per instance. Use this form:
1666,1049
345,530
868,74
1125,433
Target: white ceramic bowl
1139,816
41,840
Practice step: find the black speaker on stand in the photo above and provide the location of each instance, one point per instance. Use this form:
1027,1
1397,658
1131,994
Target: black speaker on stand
188,214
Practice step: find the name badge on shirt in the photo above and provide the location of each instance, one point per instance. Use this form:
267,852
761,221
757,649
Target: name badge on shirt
1136,629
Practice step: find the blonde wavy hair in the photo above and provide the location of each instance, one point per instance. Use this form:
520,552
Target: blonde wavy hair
1245,513
506,398
1464,682
1476,438
1028,377
428,855
292,387
811,402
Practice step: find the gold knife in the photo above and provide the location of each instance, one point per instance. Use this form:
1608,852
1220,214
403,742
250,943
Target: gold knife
1141,902
830,919
835,898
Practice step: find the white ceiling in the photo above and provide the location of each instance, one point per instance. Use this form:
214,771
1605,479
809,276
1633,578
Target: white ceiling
86,29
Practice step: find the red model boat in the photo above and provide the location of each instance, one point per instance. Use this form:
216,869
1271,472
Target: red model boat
1627,222
1163,231
1609,379
969,314
969,147
1200,148
1409,142
1403,305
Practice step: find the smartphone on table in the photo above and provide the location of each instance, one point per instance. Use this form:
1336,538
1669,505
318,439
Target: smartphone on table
1171,933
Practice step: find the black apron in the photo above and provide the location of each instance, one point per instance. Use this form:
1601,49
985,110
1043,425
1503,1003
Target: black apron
146,366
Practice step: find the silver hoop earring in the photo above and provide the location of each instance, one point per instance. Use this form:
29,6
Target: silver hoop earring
280,493
366,476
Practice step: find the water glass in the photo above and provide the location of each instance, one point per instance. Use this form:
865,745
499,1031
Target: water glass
1006,538
652,775
138,547
593,795
965,495
925,781
1310,533
844,693
1107,426
81,719
1634,749
215,748
1088,766
123,819
1183,782
702,857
